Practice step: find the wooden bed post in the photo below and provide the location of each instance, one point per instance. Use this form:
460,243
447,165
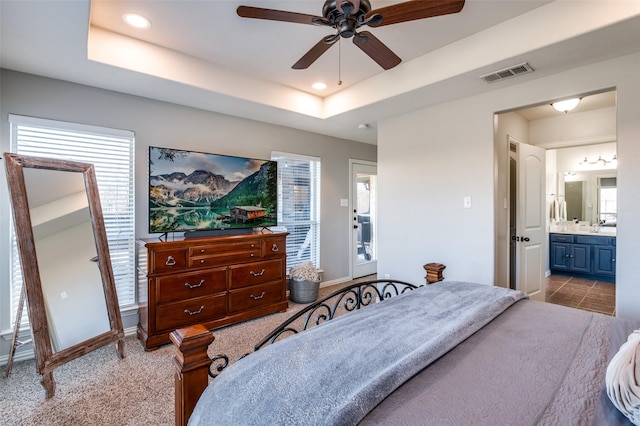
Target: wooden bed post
192,368
434,272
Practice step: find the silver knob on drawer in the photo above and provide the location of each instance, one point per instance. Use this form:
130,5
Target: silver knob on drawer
170,261
202,261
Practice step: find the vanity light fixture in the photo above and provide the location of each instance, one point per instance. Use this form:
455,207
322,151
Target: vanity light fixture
137,21
600,161
566,105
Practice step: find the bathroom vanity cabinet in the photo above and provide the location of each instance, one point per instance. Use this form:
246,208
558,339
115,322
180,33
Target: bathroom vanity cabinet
591,255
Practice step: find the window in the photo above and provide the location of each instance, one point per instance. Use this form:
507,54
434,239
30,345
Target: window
111,152
299,206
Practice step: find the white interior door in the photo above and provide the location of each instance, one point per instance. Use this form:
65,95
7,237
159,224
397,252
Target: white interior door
531,233
364,188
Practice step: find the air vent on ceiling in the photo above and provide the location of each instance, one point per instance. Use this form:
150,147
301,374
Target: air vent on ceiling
512,71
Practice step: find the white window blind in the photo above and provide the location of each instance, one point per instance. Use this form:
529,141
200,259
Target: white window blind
299,206
111,152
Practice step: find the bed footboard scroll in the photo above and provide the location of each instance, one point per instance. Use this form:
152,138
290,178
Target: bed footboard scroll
192,367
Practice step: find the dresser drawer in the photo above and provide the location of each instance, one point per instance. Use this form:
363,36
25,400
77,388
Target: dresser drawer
217,259
180,314
254,297
168,260
206,250
190,285
274,247
255,273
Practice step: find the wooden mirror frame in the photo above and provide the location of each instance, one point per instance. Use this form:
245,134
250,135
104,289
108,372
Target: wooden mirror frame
46,359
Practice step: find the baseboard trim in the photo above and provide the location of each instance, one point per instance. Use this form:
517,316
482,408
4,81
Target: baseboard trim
334,282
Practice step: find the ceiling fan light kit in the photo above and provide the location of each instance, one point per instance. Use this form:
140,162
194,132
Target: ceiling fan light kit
348,16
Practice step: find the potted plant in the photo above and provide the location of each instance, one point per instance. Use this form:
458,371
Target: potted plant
304,283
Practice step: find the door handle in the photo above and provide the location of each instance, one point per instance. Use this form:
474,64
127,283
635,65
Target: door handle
525,239
514,238
355,226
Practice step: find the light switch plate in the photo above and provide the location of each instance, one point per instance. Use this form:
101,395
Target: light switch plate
467,202
344,202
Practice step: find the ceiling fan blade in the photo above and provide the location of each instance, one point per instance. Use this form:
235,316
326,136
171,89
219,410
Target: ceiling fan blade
314,53
415,9
376,49
280,15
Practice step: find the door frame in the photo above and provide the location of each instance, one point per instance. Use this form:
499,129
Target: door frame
352,241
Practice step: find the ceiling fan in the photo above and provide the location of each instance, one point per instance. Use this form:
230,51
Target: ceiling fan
348,16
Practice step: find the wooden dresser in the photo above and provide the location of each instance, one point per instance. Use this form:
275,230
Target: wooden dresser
214,281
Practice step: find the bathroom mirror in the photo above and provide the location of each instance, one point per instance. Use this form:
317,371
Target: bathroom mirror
64,254
590,195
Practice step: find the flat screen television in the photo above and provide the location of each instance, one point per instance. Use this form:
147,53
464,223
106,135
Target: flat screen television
196,191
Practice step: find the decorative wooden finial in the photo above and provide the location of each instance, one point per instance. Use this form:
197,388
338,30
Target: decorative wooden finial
192,368
434,272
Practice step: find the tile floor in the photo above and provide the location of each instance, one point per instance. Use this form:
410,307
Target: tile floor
581,293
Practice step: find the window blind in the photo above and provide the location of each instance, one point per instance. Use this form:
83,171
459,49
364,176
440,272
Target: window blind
299,206
112,153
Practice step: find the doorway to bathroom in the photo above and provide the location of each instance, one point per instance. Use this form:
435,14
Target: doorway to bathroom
580,174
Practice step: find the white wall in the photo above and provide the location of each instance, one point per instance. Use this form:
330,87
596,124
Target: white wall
430,159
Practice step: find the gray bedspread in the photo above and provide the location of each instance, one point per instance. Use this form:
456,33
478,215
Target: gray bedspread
537,363
337,372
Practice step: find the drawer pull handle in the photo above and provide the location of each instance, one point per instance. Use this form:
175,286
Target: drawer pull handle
257,274
202,250
202,261
274,247
170,261
186,311
257,297
194,285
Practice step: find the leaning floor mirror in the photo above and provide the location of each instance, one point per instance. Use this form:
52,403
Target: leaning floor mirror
66,267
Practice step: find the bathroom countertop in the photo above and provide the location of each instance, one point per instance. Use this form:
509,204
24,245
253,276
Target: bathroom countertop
583,230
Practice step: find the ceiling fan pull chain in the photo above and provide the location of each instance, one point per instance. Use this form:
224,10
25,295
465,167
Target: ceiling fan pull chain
339,62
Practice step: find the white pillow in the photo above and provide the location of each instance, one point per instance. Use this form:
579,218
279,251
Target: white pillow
623,378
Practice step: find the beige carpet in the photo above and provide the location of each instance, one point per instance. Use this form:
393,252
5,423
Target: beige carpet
101,389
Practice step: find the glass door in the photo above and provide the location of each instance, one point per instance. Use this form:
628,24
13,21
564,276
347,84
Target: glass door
364,181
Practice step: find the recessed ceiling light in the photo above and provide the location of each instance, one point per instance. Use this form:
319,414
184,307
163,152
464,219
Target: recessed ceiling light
137,21
319,86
